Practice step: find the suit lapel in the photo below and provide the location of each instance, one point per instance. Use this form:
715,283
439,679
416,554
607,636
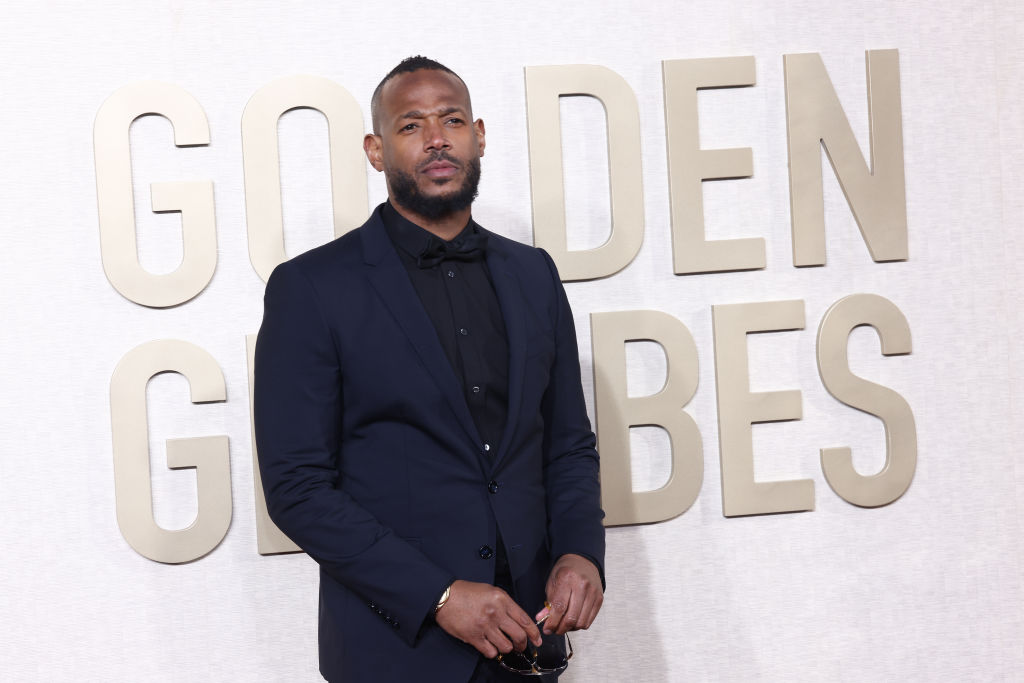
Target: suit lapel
388,277
510,298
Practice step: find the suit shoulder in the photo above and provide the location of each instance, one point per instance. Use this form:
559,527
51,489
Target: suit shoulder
344,249
509,245
325,261
525,254
532,262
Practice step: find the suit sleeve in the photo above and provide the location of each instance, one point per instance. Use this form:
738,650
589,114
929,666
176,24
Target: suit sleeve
572,469
298,411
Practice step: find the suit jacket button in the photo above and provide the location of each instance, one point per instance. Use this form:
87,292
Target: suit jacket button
485,552
492,486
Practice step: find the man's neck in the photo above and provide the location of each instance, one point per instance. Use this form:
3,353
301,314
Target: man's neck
445,227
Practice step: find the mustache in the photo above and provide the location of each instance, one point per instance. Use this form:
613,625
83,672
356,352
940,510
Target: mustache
439,155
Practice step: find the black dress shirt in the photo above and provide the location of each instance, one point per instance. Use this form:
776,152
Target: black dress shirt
459,298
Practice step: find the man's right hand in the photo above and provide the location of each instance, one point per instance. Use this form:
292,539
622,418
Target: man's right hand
487,618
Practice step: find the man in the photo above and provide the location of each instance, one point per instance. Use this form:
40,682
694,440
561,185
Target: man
420,420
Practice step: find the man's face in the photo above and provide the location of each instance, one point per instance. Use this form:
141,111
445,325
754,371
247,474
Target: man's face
427,144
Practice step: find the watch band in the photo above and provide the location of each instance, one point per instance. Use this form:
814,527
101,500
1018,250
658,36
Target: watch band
444,598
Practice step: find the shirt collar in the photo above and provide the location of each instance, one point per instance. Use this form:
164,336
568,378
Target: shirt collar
411,238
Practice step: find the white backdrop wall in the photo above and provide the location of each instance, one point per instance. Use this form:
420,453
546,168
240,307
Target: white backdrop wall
927,588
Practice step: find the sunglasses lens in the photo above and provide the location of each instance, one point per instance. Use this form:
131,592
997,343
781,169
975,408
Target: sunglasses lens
549,658
551,661
516,661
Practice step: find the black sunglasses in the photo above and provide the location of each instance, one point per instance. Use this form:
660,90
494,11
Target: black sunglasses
549,658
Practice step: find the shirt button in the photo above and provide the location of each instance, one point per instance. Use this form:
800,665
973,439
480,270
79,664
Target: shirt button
485,552
492,486
451,273
463,331
476,390
487,447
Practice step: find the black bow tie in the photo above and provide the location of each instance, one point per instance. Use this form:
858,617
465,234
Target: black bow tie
463,248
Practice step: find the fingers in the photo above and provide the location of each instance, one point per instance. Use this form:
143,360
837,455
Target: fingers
515,631
591,606
497,639
484,647
560,594
557,610
486,618
530,629
570,616
574,595
512,630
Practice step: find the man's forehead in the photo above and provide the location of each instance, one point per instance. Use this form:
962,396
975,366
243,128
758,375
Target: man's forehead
424,89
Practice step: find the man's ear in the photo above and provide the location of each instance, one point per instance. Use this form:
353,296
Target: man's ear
374,153
478,127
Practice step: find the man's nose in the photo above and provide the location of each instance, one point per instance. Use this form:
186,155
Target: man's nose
436,137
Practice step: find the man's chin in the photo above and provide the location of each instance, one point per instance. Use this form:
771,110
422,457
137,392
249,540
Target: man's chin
436,183
440,192
434,198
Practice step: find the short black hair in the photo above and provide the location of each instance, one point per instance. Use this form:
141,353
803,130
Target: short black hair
406,66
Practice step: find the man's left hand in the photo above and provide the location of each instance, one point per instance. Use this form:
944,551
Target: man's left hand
574,595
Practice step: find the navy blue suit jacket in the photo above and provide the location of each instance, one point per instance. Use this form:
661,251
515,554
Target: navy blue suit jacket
372,464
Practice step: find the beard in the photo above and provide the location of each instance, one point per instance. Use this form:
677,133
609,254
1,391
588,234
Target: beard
405,192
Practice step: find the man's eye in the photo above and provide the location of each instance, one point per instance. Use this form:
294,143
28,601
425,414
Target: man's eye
454,120
409,126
